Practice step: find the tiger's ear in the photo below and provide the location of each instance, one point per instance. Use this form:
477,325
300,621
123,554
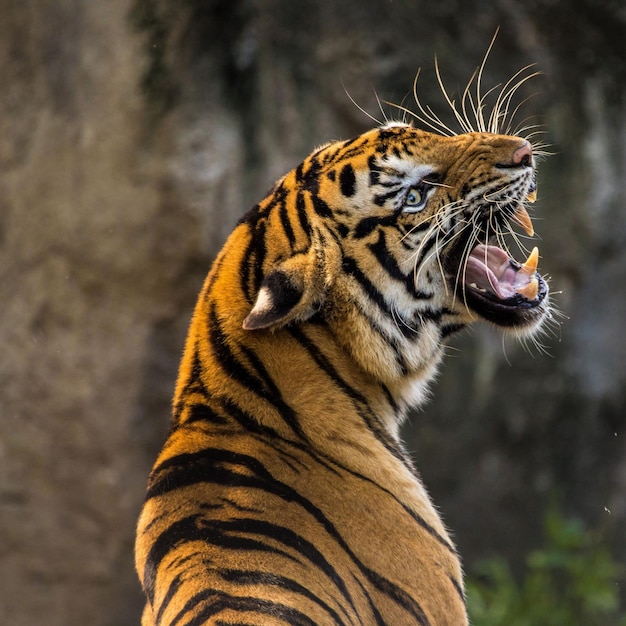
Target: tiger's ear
279,301
295,289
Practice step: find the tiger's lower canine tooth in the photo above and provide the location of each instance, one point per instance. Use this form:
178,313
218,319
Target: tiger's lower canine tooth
531,290
523,219
530,264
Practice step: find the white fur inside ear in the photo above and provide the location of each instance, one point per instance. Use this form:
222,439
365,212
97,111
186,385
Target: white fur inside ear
264,302
262,307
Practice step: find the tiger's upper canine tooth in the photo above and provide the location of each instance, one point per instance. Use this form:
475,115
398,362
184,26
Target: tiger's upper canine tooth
530,264
532,196
531,290
523,219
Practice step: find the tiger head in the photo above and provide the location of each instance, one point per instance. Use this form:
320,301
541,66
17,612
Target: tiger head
396,239
411,221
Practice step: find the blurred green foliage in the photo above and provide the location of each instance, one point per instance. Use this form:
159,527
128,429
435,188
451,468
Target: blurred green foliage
571,581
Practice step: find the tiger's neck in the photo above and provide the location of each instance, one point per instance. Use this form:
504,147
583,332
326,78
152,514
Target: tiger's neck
298,384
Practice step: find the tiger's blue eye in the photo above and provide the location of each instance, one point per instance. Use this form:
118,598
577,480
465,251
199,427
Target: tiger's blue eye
416,199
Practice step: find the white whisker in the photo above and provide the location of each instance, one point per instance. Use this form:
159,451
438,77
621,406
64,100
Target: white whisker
502,104
380,106
430,119
462,123
359,107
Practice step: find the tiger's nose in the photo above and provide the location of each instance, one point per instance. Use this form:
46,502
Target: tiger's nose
524,154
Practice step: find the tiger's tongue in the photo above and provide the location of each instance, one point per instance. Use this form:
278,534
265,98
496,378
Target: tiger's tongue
490,269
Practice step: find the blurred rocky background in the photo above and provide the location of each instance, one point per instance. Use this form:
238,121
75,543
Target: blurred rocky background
134,133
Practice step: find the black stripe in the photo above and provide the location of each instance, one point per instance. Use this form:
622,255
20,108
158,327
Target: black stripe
431,315
459,589
393,183
309,177
351,267
252,216
258,577
381,198
224,356
288,538
394,407
387,261
210,465
320,206
263,387
242,508
252,258
217,602
175,534
302,216
400,596
325,365
286,222
260,252
450,329
342,230
275,198
375,170
416,517
213,274
369,224
272,437
275,395
377,616
172,590
248,421
387,134
191,529
349,142
247,258
233,531
351,153
202,412
193,386
347,180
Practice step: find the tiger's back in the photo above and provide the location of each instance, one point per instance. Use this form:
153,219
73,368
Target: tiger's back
283,494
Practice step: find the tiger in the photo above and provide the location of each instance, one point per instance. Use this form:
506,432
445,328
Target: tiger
284,493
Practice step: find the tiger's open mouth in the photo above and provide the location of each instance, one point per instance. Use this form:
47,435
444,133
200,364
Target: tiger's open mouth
499,288
496,286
